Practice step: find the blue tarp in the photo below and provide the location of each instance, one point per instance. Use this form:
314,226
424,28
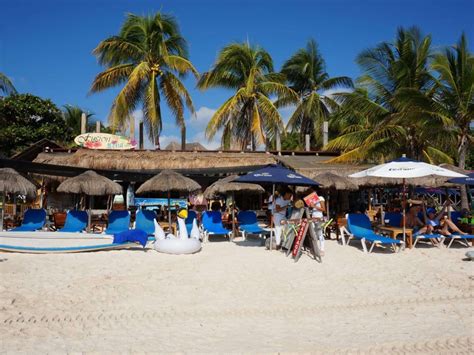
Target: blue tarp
145,201
131,235
276,174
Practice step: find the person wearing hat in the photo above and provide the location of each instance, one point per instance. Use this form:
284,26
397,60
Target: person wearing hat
440,223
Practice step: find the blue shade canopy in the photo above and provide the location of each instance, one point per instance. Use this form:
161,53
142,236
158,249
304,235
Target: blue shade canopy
276,174
469,180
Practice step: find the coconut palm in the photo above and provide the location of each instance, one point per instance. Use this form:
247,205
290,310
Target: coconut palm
383,125
306,73
249,115
149,58
6,85
455,67
73,116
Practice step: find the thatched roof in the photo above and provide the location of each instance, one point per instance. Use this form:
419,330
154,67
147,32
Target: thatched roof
333,181
226,185
189,146
169,180
12,182
90,183
155,159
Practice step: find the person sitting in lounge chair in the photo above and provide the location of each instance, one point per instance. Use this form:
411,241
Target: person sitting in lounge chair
440,223
412,221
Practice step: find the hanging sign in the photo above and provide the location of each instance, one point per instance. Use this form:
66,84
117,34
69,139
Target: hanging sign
104,141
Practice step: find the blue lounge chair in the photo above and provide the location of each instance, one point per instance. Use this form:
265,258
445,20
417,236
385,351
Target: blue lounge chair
192,215
394,219
459,237
440,238
119,221
33,219
76,221
212,225
360,228
145,221
248,223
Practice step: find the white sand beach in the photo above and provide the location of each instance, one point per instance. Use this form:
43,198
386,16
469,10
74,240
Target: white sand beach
238,298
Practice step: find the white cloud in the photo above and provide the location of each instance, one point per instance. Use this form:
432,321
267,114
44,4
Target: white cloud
201,118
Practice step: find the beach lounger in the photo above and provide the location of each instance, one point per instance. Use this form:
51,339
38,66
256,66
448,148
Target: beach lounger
248,223
76,221
430,237
212,225
145,221
359,228
192,215
459,237
33,220
119,221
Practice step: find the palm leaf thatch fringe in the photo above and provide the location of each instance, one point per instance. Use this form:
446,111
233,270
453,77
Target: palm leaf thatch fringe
90,183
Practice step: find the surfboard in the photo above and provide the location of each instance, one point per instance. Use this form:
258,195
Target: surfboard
57,242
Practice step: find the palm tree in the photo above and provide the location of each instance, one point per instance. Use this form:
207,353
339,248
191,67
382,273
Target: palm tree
385,126
306,73
455,101
73,116
6,85
249,115
149,56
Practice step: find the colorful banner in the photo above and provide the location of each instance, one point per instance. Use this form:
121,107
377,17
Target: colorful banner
299,237
104,141
144,202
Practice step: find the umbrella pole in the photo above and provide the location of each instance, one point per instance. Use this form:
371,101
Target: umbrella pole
233,215
89,215
169,212
404,205
3,208
272,214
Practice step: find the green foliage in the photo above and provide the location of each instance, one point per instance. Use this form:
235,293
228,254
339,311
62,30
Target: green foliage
25,119
6,86
147,58
379,121
306,73
73,117
248,116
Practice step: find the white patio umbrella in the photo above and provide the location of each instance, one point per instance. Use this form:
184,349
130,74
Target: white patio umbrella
405,168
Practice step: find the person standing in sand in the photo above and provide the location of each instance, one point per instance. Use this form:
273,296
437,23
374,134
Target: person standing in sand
279,213
319,208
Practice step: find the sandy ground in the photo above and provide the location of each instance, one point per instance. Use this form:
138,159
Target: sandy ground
238,297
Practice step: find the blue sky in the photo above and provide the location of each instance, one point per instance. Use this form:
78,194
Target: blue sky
45,46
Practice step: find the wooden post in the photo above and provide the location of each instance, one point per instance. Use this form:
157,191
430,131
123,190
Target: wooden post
278,142
83,123
307,145
325,133
140,135
132,128
97,126
183,137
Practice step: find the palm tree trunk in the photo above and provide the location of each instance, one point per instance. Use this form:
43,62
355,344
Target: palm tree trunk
462,149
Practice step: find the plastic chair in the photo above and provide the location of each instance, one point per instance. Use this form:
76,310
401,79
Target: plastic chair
360,228
119,221
212,225
192,215
33,219
145,221
76,221
248,223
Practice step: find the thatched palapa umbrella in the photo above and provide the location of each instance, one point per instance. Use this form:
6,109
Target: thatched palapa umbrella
167,181
227,184
12,182
330,181
92,184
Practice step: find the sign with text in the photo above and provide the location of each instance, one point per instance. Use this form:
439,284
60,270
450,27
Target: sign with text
104,141
299,237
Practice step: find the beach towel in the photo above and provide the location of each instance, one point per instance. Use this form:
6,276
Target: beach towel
131,235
